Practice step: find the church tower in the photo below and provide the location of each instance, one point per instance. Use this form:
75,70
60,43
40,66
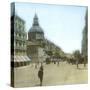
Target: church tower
35,45
36,33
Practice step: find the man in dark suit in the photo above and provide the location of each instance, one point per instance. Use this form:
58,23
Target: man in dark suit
40,75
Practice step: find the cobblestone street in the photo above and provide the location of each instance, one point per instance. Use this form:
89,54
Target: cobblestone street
53,75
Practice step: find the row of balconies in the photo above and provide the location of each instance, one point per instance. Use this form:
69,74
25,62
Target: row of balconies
20,38
20,47
18,44
20,34
21,29
17,30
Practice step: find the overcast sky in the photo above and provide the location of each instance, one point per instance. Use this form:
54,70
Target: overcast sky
62,25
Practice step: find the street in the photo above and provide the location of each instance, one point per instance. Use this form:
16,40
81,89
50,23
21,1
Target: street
54,74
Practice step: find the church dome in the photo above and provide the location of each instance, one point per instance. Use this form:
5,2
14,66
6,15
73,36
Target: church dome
35,27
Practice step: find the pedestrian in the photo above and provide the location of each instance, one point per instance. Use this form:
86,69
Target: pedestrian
77,62
40,75
58,62
36,66
84,59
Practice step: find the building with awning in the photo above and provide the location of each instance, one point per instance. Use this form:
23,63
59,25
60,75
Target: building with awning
18,40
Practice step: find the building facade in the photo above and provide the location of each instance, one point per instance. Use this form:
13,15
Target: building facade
18,41
85,37
35,52
19,37
37,45
35,42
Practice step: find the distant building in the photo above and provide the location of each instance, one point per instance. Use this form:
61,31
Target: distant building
50,46
85,37
18,41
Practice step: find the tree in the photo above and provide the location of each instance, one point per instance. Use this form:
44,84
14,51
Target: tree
49,53
77,56
48,61
57,54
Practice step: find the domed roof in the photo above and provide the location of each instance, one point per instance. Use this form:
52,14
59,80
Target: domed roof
35,27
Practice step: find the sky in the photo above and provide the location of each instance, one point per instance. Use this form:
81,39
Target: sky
61,24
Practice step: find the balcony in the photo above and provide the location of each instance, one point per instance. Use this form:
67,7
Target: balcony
20,38
19,47
19,31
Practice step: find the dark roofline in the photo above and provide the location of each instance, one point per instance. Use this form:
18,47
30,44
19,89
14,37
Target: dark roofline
20,18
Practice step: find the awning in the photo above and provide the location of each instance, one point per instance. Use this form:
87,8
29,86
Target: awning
21,58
